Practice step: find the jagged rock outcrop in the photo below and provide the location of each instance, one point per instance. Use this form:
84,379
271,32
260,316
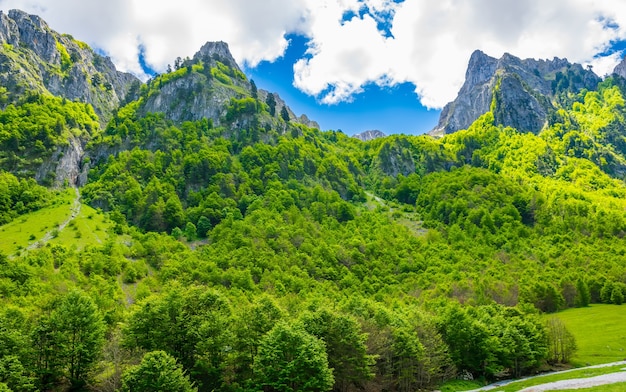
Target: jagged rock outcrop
33,57
63,168
620,69
369,135
519,92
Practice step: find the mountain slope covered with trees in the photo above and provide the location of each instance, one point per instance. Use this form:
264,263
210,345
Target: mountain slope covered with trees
248,250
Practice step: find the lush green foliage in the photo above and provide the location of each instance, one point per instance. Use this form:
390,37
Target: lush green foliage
156,372
32,129
262,254
19,196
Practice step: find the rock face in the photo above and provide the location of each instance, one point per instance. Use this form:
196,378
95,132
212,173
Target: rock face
518,91
36,58
203,88
369,135
620,69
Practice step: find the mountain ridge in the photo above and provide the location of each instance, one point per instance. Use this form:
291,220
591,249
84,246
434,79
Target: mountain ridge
524,102
34,57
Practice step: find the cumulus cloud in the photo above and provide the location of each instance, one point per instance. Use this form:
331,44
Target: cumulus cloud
352,43
431,43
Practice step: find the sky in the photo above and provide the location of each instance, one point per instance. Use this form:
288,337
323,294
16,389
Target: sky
353,65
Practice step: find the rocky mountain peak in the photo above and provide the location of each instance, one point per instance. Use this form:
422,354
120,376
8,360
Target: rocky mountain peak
480,69
369,135
36,58
219,51
518,91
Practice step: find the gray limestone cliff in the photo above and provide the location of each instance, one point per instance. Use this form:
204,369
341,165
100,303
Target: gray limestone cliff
33,57
519,92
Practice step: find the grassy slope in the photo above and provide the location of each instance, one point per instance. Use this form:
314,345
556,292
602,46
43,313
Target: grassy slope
599,332
88,228
30,228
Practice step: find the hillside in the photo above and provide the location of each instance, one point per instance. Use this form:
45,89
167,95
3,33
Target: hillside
222,235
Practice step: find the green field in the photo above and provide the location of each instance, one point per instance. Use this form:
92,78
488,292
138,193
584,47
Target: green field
88,228
599,332
30,228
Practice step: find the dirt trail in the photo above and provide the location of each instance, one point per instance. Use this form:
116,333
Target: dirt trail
75,210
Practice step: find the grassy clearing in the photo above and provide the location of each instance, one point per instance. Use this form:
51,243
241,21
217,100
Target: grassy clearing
89,228
599,332
30,228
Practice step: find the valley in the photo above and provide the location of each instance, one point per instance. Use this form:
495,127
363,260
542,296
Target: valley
193,226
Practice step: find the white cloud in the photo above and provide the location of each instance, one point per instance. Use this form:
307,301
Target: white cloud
432,43
429,46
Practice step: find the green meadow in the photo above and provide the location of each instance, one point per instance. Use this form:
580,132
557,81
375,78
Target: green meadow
30,228
599,331
89,227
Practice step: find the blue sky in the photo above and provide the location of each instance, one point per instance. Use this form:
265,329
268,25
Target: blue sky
352,65
394,109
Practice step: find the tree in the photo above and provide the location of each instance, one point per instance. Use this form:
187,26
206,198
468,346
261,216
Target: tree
158,371
290,360
250,324
13,374
271,102
345,346
583,296
77,335
561,343
284,114
203,226
253,89
173,212
190,231
199,318
617,296
606,292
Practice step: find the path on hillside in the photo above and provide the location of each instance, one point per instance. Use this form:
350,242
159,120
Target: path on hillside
74,211
573,383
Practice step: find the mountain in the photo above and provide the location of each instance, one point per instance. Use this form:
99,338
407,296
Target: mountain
36,58
39,63
518,92
200,230
369,135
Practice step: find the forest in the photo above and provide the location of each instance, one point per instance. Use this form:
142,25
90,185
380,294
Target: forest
259,254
